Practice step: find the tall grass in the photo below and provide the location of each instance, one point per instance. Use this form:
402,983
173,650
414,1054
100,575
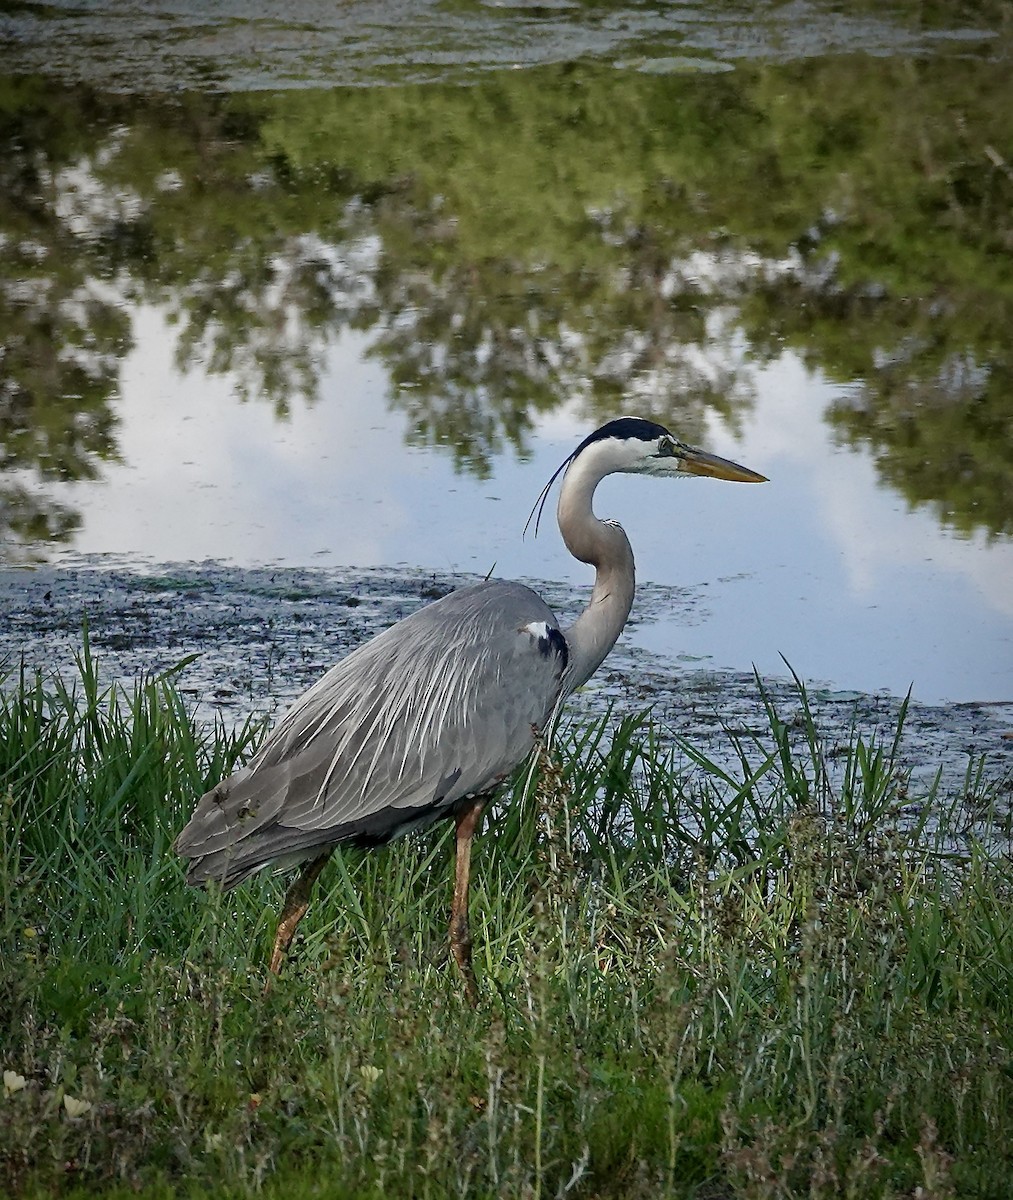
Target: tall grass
792,979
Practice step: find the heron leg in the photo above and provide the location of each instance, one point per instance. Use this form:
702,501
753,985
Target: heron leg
297,900
460,932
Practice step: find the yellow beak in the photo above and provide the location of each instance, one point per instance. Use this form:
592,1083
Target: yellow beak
699,462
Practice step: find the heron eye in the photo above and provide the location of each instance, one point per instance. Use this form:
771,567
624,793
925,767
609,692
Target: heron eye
666,447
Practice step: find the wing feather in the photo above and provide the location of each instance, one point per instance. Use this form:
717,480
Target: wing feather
441,706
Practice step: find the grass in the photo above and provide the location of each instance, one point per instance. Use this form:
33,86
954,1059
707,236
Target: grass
773,982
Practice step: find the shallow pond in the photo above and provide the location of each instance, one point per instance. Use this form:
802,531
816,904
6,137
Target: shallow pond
255,311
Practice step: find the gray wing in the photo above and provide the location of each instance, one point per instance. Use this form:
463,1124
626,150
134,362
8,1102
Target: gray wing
441,706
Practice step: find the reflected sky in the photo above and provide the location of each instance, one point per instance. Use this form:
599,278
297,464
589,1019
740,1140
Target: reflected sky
820,565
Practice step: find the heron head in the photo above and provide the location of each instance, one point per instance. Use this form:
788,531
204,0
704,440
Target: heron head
637,446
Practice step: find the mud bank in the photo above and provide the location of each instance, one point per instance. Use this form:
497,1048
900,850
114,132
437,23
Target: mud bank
259,637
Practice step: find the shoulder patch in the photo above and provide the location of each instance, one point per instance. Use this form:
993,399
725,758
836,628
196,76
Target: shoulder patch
548,640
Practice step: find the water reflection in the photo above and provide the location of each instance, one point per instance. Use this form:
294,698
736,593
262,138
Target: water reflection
567,235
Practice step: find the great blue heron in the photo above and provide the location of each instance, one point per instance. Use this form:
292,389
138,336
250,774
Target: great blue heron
430,717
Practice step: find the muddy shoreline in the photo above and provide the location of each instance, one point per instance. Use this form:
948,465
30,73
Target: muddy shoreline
260,636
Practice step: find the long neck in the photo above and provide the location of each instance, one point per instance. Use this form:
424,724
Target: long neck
607,548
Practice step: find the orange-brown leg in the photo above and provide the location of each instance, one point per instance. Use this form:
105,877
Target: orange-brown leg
297,900
460,932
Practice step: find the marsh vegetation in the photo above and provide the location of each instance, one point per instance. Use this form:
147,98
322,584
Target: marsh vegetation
791,979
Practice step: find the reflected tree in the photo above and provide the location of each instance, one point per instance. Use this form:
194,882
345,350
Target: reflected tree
577,234
900,287
62,334
477,351
517,271
569,235
258,267
946,442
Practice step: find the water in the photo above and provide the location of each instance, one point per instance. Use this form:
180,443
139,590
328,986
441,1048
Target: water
237,46
256,311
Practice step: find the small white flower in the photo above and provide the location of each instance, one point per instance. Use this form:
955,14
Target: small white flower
370,1074
75,1108
13,1082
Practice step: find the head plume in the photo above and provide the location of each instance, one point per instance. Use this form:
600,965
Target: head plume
622,428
